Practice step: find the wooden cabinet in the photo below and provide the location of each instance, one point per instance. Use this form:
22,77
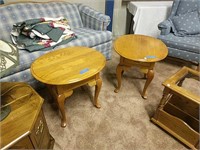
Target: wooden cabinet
25,127
178,111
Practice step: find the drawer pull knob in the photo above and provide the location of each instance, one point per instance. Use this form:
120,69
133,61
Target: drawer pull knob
40,128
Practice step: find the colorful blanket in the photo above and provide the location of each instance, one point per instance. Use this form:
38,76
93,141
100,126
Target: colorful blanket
41,33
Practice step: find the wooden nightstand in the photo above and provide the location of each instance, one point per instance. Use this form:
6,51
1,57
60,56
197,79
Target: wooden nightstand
178,111
25,127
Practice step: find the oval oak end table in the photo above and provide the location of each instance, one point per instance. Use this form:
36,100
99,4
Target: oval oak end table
68,68
140,51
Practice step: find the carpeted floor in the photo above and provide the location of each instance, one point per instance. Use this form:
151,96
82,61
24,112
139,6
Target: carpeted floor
122,122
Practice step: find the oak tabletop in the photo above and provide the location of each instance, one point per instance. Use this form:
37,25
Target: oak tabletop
68,65
140,48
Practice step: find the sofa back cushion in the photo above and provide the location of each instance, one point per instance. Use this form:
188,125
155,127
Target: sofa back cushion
186,6
18,12
180,7
186,24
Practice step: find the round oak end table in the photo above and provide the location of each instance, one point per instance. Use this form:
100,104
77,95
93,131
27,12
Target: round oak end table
140,51
68,68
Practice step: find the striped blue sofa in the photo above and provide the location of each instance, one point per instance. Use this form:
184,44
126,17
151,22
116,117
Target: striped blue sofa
88,24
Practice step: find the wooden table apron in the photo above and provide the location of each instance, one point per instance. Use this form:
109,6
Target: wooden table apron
63,89
134,50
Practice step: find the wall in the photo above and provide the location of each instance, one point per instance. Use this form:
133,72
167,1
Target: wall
121,19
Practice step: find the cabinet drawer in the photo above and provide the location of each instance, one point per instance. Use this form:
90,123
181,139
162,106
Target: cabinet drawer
47,141
40,134
37,132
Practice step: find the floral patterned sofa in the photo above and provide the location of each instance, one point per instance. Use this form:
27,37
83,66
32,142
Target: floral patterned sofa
88,25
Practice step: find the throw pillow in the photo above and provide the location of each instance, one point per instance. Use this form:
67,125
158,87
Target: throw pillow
185,6
187,24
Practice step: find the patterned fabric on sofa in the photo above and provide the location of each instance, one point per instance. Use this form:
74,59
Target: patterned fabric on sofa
89,27
189,46
181,31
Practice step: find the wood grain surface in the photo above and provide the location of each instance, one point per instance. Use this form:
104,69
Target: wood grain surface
23,115
68,65
140,48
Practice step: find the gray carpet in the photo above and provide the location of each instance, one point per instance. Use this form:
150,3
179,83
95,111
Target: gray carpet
122,122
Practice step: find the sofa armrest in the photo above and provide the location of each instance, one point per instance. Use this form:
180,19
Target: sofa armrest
165,27
92,18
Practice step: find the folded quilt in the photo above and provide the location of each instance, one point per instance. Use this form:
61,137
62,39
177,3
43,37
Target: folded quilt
41,33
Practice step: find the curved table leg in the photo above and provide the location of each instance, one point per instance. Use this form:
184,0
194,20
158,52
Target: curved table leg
150,75
61,104
97,90
119,72
61,100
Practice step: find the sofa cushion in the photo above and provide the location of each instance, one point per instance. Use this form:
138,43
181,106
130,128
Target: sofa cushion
186,6
89,37
187,24
190,43
14,13
85,37
184,55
